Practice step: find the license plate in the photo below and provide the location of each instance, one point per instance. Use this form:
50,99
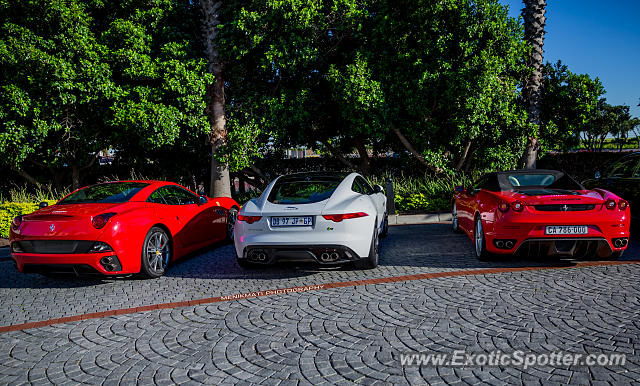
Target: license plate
305,221
566,230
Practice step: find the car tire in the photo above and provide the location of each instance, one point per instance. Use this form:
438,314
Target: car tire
231,222
370,261
480,242
385,227
156,253
454,219
615,255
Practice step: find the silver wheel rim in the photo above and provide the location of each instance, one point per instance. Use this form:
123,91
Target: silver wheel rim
454,217
231,222
157,252
479,237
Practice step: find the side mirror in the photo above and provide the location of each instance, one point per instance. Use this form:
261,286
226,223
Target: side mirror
460,188
378,188
43,204
203,200
597,175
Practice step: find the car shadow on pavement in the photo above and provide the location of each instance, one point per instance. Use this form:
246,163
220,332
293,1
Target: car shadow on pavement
218,262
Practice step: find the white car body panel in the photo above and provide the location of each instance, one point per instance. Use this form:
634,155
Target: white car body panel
356,234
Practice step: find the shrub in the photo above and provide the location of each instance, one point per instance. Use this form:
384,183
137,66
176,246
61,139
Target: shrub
9,210
425,193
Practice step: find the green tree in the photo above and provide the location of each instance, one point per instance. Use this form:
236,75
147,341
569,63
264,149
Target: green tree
534,19
449,71
297,65
569,105
82,76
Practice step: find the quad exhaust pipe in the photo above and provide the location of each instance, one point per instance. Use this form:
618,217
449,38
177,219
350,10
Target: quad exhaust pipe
329,257
619,243
259,256
504,244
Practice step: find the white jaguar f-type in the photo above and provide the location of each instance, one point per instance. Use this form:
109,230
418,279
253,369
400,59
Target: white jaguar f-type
329,218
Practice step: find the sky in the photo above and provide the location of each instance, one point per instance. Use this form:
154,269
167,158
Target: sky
599,38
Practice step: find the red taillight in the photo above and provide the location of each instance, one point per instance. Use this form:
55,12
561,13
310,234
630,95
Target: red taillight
622,205
610,204
101,220
16,222
344,216
517,206
503,206
248,219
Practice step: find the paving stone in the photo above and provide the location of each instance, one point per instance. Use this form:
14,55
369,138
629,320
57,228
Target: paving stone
336,336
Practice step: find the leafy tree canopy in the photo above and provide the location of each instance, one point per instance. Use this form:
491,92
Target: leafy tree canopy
82,76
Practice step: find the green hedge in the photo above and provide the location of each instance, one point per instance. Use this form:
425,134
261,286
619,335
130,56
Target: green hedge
9,210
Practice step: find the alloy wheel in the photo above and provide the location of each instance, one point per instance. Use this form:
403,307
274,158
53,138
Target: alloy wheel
158,252
479,237
454,217
231,222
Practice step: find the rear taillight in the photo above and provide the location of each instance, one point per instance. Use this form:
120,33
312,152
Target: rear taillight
343,216
16,222
622,205
503,206
248,219
610,204
101,220
517,206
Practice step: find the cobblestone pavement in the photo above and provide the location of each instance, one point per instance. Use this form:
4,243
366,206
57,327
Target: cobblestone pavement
339,335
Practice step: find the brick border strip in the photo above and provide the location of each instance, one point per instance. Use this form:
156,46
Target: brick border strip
218,299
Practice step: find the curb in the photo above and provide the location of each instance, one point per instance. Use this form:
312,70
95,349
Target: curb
414,219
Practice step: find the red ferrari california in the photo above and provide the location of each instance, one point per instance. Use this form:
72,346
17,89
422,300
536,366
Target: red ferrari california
541,213
120,228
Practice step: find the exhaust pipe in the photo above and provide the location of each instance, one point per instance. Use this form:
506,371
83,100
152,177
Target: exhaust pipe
509,244
262,256
335,256
324,256
499,243
620,243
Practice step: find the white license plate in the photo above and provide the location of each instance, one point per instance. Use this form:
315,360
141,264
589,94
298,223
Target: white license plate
305,221
566,230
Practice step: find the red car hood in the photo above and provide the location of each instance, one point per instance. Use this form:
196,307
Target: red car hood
553,196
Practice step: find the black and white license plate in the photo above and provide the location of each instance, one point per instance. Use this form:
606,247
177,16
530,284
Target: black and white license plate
299,221
566,230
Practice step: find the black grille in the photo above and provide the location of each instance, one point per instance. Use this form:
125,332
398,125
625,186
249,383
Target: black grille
55,246
564,207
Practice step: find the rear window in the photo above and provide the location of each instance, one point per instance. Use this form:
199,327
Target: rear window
302,192
113,192
530,180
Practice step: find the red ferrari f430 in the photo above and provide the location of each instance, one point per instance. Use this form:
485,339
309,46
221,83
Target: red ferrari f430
120,228
541,213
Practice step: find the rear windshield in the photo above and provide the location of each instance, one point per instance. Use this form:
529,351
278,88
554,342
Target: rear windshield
113,192
531,180
302,192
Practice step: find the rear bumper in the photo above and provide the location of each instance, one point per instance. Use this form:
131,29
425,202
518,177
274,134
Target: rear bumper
107,263
321,254
605,235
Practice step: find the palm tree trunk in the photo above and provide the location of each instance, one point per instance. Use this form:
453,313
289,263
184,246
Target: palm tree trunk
220,181
534,18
